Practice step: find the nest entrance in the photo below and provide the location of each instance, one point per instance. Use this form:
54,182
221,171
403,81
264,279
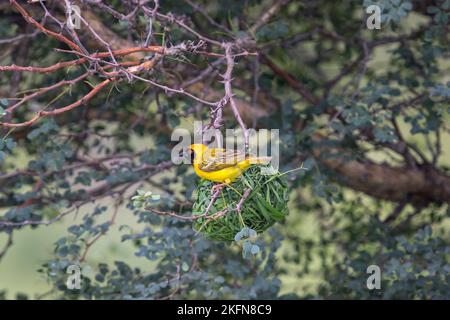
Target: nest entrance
265,204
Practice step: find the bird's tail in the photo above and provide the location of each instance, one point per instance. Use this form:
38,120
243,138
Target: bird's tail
259,160
253,160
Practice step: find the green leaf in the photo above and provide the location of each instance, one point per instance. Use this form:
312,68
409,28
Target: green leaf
10,143
255,249
173,120
3,102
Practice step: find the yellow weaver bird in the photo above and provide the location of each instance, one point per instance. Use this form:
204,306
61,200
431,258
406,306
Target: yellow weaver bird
221,165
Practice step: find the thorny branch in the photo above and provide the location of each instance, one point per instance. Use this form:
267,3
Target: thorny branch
120,71
109,64
206,215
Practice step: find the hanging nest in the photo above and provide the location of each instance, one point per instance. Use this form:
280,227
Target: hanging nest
265,204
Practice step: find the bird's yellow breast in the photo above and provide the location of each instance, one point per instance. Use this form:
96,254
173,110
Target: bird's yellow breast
225,175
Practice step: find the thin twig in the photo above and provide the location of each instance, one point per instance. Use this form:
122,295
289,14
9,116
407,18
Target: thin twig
229,96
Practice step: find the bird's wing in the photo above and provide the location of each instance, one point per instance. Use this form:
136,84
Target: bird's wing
217,159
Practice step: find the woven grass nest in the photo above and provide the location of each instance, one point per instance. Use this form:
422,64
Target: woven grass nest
265,204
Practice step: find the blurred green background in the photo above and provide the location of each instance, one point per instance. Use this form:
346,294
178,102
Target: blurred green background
33,247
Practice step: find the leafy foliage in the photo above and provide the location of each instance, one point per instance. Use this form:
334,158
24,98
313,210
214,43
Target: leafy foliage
365,111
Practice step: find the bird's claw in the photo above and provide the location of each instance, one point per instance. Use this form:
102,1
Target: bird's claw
217,187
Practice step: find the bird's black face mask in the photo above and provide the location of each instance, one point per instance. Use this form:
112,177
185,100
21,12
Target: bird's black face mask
192,155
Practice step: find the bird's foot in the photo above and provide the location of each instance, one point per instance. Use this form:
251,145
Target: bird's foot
217,188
